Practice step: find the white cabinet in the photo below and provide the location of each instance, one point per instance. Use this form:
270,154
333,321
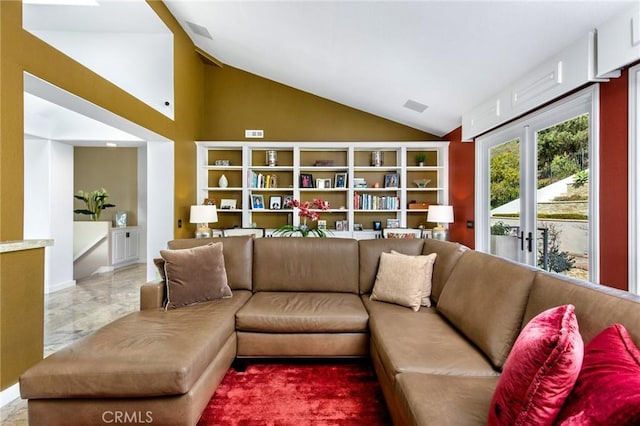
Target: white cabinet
125,245
329,171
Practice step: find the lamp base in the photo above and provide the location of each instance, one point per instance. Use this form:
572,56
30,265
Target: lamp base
203,231
440,233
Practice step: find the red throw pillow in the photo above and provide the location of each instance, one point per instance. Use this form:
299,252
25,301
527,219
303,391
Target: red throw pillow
540,371
608,388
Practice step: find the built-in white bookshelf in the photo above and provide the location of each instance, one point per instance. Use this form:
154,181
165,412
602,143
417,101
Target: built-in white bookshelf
261,176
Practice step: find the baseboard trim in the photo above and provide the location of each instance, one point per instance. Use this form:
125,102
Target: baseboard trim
10,394
60,286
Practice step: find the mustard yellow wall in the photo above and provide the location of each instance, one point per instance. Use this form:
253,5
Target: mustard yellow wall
236,100
21,313
93,169
19,52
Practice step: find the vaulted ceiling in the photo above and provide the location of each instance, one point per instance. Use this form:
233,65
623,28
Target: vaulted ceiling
377,55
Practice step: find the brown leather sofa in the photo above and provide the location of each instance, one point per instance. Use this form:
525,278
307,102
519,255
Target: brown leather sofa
309,297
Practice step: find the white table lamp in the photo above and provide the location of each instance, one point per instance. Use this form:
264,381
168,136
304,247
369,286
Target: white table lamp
440,215
203,215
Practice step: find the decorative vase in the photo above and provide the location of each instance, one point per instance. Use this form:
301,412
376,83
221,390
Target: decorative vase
377,158
223,182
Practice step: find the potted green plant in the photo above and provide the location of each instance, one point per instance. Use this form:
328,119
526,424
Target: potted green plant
420,158
96,201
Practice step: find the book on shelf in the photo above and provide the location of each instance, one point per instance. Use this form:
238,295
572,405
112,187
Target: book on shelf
375,202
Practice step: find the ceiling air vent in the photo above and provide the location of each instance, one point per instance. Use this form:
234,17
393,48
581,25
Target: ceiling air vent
415,106
199,29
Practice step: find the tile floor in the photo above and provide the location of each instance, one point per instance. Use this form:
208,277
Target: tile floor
73,313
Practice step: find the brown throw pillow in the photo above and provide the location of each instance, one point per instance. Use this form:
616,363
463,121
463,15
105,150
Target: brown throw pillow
195,275
401,279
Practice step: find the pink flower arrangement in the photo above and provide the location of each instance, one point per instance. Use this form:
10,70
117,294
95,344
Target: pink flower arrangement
306,210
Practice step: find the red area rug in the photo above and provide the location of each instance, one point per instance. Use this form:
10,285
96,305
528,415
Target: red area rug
298,394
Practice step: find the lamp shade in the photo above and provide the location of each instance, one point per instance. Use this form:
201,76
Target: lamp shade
203,214
440,214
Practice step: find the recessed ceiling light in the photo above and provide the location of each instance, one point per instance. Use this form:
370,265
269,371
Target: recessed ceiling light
111,144
415,106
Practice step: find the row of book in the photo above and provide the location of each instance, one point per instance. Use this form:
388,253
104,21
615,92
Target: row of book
258,180
375,202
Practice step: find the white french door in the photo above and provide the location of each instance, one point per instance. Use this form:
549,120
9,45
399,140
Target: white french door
536,188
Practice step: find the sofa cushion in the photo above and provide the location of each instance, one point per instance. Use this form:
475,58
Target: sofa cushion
436,399
608,388
369,255
404,280
540,370
195,275
143,354
597,306
422,342
306,264
296,312
485,298
238,257
448,255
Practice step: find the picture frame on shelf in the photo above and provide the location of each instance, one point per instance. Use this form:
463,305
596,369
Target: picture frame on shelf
275,202
287,200
340,180
357,227
323,183
227,204
393,223
322,224
391,180
339,226
257,202
306,180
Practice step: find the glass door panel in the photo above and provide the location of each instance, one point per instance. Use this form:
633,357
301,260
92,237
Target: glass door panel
504,195
562,197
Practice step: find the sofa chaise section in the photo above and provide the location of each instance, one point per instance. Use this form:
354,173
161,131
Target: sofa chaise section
166,363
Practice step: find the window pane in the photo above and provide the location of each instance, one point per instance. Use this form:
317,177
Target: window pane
563,197
504,218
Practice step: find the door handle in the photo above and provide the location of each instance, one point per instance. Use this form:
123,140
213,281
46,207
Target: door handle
521,238
529,242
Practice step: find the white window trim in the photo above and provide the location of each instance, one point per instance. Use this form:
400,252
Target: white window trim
634,179
559,111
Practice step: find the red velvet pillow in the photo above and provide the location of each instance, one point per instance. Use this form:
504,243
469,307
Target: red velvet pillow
540,371
608,388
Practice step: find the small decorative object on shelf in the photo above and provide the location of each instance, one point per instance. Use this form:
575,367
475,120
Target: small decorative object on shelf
377,158
222,163
391,180
420,158
422,183
223,182
271,158
120,219
96,201
306,210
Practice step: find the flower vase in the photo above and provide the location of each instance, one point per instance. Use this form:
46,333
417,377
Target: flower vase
223,182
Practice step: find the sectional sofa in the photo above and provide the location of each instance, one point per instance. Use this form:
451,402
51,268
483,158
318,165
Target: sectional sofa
311,297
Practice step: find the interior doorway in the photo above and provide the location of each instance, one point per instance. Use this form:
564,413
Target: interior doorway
50,214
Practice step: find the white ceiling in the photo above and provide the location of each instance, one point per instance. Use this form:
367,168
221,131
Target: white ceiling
376,55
